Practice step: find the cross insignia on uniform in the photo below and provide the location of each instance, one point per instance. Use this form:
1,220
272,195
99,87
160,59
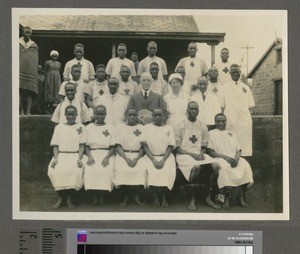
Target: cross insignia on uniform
193,139
192,64
244,90
215,90
230,134
137,132
101,92
126,91
79,130
79,64
105,133
226,69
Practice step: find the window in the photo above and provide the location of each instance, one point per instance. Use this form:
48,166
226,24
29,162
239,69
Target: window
278,97
278,56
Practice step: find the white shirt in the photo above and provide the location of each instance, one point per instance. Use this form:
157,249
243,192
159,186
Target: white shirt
223,69
144,66
87,69
82,111
96,89
208,108
194,68
128,88
114,66
214,88
116,106
80,87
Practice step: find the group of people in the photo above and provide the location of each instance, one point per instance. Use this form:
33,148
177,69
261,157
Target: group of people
123,125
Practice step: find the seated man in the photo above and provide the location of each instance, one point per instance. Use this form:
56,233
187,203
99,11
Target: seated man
191,141
234,170
114,102
145,101
82,116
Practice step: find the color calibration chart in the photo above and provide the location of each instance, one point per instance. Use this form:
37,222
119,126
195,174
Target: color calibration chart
114,241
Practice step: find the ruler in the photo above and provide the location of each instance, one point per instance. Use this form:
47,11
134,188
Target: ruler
42,241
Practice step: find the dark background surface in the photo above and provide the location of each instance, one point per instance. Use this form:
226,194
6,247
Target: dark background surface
278,237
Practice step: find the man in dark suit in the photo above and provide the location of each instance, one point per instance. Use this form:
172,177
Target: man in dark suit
145,101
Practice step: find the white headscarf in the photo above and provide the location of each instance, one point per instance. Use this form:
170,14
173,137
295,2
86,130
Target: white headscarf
54,52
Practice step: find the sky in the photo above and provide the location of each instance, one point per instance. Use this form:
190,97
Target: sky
257,29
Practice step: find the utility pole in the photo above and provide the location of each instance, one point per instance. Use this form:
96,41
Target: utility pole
247,48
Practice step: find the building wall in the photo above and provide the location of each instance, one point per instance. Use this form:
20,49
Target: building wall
263,86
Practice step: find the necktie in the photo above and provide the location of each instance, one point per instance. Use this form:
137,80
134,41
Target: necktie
146,96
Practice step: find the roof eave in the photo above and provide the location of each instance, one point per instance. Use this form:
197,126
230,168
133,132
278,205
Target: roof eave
215,38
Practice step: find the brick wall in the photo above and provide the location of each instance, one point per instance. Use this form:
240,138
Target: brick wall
263,87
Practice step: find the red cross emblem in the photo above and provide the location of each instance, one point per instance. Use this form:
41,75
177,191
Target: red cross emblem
244,90
126,91
226,69
230,134
215,90
105,133
192,64
101,92
79,130
137,132
193,139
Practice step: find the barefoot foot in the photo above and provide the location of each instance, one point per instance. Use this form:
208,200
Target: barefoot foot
70,203
164,202
124,202
138,201
58,204
226,203
212,204
156,202
192,205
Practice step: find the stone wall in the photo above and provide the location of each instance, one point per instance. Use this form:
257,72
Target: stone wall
263,86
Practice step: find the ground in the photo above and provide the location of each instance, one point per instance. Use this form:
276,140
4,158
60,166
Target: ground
39,196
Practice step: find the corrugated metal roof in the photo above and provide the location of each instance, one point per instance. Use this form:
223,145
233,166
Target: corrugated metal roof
111,23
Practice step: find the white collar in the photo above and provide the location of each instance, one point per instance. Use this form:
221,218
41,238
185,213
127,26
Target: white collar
26,45
82,59
143,91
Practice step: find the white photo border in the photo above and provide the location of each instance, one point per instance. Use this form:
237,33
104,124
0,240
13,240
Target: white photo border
26,215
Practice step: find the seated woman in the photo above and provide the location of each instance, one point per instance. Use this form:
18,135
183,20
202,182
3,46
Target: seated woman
130,169
234,170
66,168
160,162
176,101
100,143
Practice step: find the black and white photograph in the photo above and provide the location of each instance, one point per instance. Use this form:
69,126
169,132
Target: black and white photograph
144,114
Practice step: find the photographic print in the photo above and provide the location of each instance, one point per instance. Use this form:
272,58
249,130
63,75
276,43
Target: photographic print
137,114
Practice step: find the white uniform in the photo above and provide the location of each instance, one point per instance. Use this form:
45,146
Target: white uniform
114,66
215,88
87,69
80,87
191,136
144,66
194,68
158,138
130,138
208,108
96,89
176,107
116,106
226,143
128,88
67,175
99,138
83,114
237,99
223,69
